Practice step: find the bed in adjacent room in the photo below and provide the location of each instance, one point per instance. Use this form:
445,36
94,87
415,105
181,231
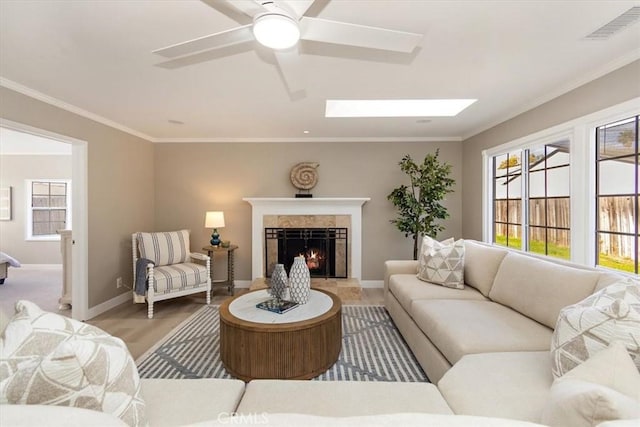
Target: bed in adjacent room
5,262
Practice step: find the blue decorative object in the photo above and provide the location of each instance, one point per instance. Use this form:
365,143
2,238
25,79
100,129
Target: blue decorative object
215,238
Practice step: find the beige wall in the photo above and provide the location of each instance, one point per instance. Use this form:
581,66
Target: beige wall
134,185
611,89
120,186
193,178
14,170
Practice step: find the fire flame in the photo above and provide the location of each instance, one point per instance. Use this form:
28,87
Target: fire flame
313,259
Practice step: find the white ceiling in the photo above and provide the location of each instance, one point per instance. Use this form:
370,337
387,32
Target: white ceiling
95,56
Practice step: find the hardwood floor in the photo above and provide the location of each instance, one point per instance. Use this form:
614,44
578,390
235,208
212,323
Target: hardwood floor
129,321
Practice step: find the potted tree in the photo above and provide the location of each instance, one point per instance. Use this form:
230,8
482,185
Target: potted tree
419,207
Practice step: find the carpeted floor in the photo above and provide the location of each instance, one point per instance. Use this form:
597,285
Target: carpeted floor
41,285
372,349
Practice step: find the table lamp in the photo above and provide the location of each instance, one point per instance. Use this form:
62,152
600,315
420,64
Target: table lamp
215,220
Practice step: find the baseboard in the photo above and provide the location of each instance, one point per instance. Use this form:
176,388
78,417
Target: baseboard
108,305
372,283
242,283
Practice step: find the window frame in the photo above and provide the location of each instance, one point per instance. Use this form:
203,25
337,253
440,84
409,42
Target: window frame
29,209
636,199
524,174
546,197
581,133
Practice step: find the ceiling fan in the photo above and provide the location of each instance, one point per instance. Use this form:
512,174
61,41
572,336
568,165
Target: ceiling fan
279,24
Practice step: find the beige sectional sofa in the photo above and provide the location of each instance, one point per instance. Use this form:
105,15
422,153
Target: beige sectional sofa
48,360
484,347
487,346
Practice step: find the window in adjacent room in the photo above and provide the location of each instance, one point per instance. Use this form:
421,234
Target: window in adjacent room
617,182
49,208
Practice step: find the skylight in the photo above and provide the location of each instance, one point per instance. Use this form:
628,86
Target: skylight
395,107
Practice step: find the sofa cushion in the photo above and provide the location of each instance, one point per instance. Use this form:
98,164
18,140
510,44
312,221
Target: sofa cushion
171,278
481,263
341,398
605,387
55,416
444,265
460,327
511,385
607,278
381,420
407,288
584,329
174,402
164,248
540,289
46,358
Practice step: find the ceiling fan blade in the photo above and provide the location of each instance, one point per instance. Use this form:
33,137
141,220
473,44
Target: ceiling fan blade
290,69
297,7
248,7
213,41
323,30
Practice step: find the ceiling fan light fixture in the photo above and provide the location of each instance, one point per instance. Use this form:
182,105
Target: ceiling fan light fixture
276,30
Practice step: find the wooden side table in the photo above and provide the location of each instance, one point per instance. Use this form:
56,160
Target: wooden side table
229,282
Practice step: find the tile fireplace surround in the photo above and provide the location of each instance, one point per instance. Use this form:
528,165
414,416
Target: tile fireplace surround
292,212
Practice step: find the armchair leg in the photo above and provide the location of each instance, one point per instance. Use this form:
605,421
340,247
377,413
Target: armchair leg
208,292
150,310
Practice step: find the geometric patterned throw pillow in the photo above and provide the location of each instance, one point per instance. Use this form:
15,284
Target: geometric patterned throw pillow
49,359
427,246
583,329
444,265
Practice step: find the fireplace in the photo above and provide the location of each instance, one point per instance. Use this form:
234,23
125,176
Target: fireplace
324,249
318,212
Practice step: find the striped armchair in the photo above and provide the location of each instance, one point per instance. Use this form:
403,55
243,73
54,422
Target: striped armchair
171,269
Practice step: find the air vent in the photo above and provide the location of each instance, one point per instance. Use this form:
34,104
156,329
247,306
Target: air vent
617,24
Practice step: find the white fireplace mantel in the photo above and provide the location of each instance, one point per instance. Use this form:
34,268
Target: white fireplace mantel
262,206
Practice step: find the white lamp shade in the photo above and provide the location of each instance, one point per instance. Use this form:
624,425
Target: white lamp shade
276,31
214,219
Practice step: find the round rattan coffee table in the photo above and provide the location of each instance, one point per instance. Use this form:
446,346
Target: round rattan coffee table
299,344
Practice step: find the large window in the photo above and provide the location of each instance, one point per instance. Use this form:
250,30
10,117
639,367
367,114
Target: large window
617,195
542,199
49,208
570,191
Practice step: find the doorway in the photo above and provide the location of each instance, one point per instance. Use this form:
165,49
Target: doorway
61,145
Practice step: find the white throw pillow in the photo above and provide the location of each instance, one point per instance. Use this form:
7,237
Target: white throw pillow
605,387
443,264
165,248
427,246
49,359
585,328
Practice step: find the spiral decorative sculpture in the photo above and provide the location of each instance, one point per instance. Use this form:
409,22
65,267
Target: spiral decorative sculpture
304,176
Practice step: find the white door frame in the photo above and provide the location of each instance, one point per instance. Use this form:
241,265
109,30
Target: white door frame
79,202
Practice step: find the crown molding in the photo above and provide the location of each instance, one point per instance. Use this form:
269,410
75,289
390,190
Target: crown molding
304,139
561,90
32,93
17,87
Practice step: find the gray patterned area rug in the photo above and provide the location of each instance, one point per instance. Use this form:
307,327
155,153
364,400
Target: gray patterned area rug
372,349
